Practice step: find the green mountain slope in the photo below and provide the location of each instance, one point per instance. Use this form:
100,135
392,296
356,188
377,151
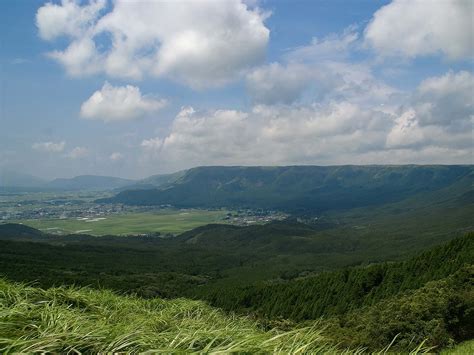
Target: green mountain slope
19,232
340,291
299,188
439,314
213,256
155,181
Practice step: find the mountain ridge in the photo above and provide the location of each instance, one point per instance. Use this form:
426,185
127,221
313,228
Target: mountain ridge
89,182
21,181
297,188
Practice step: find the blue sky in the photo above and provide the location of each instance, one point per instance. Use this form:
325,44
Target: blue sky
138,88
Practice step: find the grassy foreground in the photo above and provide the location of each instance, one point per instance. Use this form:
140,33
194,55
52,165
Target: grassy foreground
69,319
464,348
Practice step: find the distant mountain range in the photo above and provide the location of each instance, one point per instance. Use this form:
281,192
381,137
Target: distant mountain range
154,181
292,188
300,188
89,182
17,181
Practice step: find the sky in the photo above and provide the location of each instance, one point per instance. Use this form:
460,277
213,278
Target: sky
136,88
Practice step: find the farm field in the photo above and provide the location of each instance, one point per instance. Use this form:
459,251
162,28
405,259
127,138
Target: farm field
164,221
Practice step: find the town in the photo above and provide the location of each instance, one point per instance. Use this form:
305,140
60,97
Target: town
74,206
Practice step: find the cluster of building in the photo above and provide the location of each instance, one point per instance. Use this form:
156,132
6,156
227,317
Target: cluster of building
63,210
86,209
250,216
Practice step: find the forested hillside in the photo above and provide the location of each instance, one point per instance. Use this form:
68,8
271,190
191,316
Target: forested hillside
438,315
426,298
338,292
298,188
211,255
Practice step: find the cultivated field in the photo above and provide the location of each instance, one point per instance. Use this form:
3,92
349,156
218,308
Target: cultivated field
163,221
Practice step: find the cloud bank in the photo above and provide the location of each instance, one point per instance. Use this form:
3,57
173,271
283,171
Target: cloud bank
423,129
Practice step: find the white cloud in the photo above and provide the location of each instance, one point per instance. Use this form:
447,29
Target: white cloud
69,18
267,135
447,100
116,156
406,131
51,147
330,132
322,70
333,47
412,28
199,43
277,83
441,113
79,58
221,134
152,144
119,103
77,153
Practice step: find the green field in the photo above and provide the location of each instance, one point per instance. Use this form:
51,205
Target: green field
163,221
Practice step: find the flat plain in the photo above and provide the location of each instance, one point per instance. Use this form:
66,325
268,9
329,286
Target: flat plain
173,221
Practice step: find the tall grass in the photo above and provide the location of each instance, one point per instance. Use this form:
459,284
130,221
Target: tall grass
466,347
82,320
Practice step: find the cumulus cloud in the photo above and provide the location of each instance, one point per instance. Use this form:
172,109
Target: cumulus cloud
440,113
447,100
77,153
330,132
79,58
267,135
199,43
51,147
322,103
152,144
322,70
277,83
68,18
406,131
119,103
412,28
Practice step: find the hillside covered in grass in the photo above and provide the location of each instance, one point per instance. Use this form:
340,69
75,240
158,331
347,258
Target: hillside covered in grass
68,319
